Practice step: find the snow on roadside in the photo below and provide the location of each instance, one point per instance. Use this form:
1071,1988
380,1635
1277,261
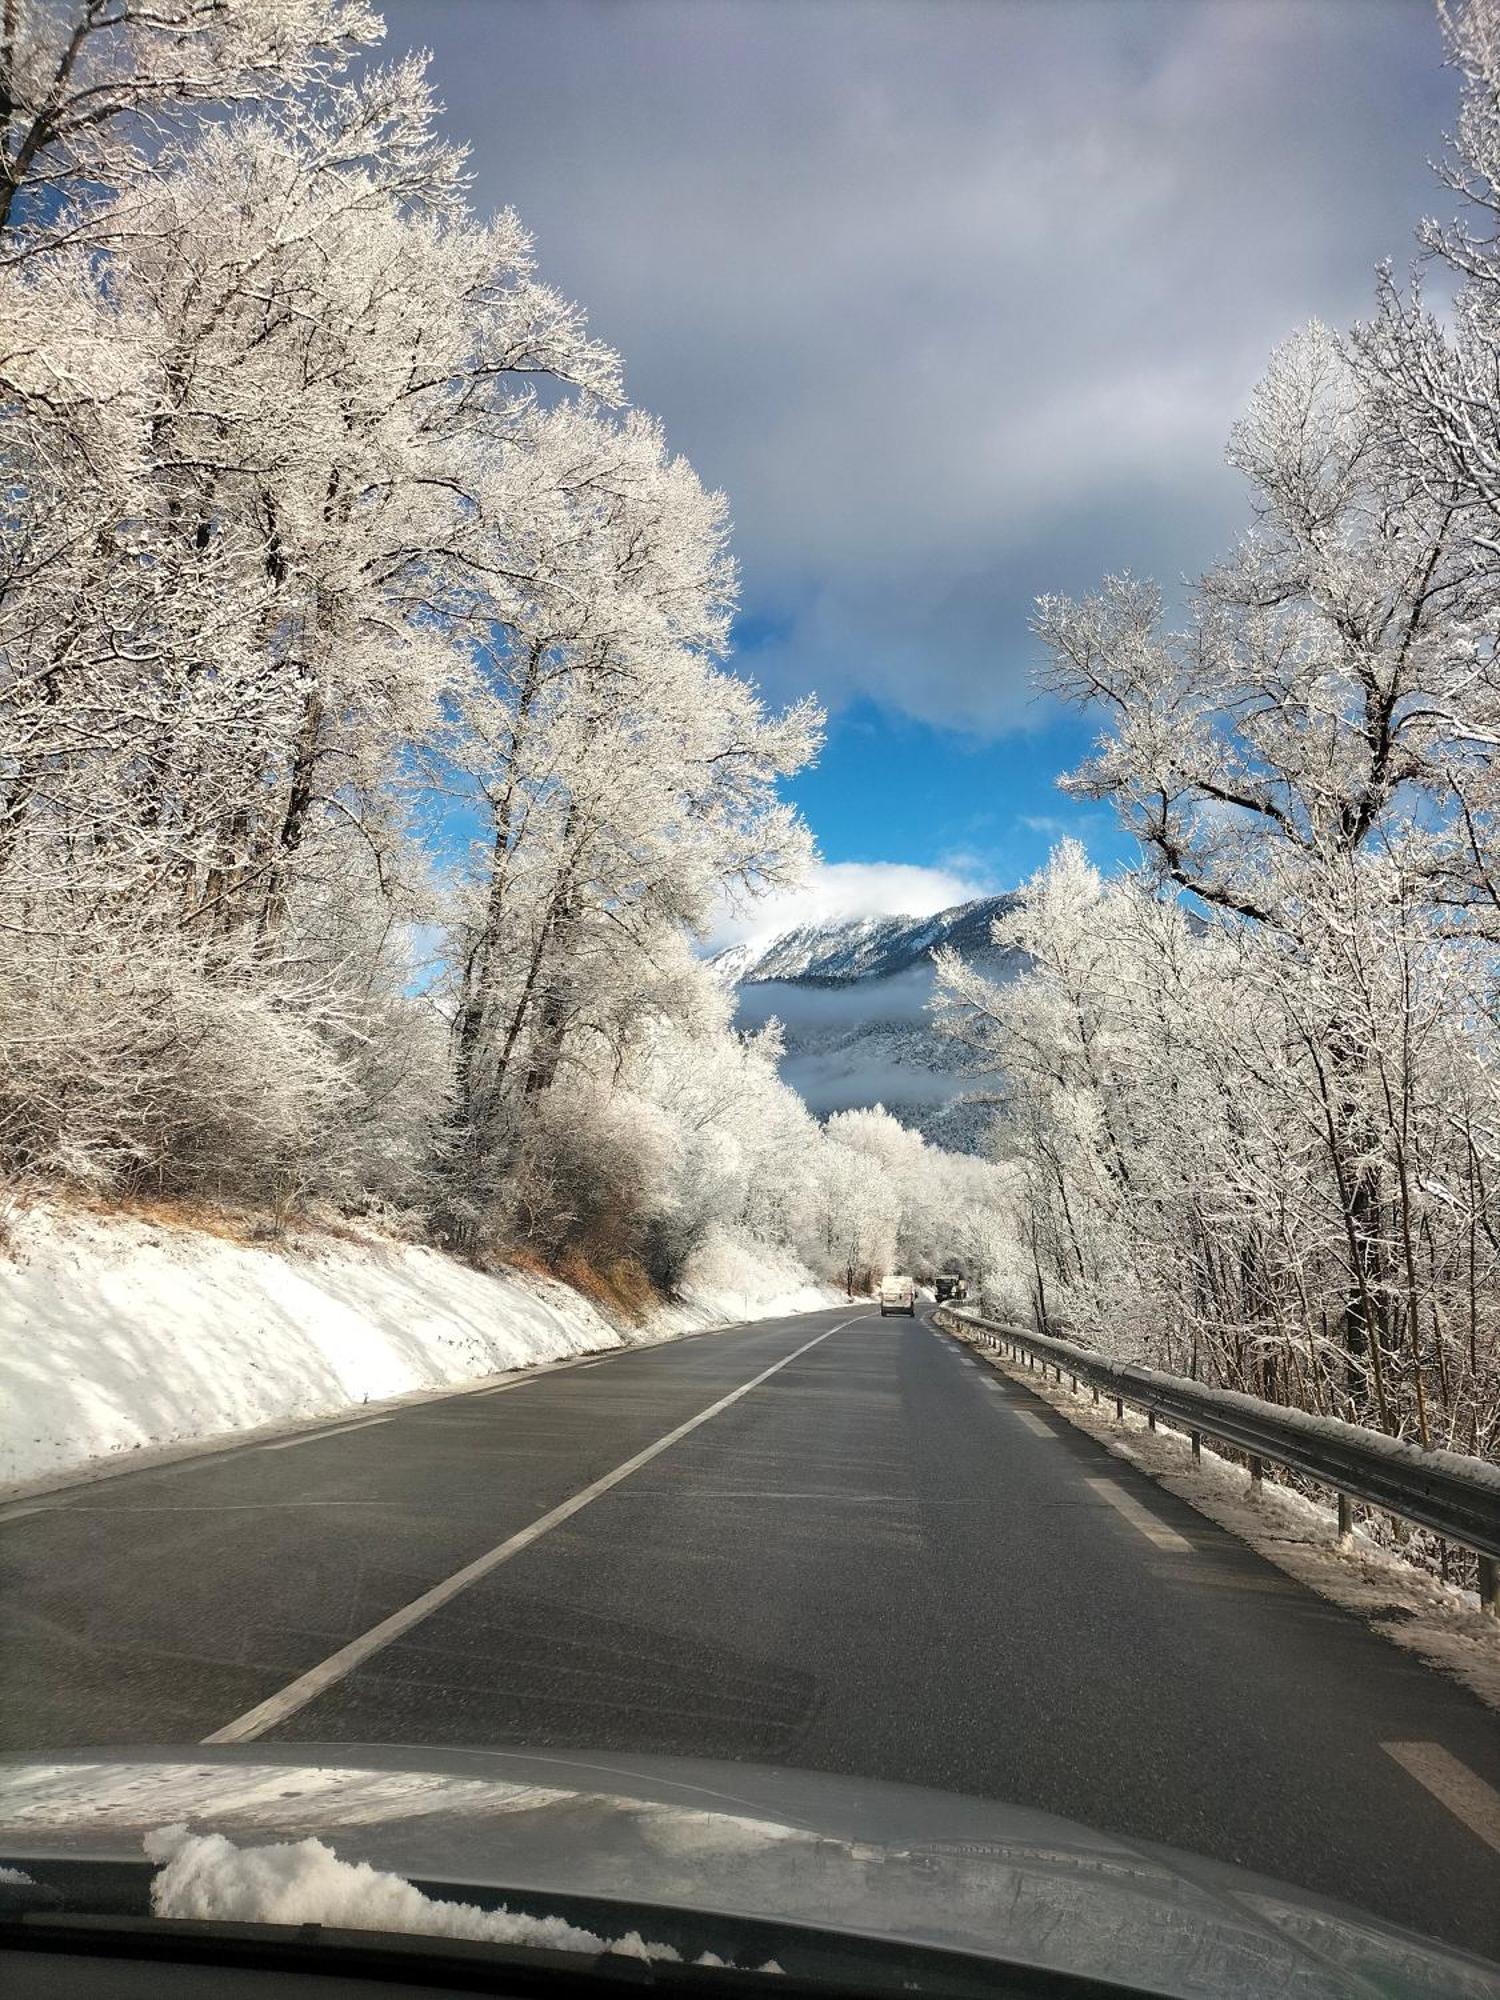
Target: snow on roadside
728,1281
1435,1620
120,1336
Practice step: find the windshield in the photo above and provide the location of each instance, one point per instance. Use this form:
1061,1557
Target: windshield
688,1088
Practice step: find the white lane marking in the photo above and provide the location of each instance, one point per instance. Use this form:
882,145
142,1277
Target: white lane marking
1139,1517
1034,1423
317,1437
298,1693
1453,1785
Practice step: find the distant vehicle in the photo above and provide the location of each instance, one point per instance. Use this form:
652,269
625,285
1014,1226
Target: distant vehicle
898,1295
951,1286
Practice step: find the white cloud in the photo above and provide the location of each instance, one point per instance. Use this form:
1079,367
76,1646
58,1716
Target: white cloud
836,891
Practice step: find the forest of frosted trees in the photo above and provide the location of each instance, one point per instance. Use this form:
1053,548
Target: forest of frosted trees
1254,1087
370,759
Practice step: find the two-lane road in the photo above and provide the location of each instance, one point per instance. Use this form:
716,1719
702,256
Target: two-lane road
835,1542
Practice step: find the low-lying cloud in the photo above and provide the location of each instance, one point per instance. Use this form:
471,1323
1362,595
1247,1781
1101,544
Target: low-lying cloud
836,891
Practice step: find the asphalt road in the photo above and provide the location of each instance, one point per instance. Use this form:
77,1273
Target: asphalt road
877,1558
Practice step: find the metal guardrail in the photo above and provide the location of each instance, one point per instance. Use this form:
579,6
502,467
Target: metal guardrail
1456,1497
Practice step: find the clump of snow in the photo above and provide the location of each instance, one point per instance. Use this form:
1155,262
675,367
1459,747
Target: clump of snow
1435,1620
205,1877
15,1878
119,1336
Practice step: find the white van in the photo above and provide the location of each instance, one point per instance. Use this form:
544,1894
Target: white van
898,1295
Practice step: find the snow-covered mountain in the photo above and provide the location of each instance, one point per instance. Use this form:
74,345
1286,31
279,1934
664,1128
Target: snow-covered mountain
852,997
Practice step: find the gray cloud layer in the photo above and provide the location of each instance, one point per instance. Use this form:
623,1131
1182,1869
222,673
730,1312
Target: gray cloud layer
956,301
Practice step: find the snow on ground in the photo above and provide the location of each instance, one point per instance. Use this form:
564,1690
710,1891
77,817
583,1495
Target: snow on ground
1434,1619
728,1281
120,1336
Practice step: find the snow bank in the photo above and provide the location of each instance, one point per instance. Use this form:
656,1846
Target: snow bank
729,1280
118,1335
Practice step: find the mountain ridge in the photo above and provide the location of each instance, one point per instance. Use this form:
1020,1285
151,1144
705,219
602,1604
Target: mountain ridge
851,996
863,947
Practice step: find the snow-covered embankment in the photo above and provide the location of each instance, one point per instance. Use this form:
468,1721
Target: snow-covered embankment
120,1336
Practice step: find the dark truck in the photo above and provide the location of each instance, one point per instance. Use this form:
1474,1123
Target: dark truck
951,1286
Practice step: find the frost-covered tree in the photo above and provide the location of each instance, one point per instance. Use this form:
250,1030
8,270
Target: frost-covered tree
1288,759
1168,1106
621,774
1251,1092
300,572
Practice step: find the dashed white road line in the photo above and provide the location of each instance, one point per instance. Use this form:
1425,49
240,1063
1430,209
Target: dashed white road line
1453,1785
1140,1518
317,1437
1034,1423
298,1693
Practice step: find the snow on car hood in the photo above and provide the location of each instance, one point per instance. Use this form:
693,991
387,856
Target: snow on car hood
881,1861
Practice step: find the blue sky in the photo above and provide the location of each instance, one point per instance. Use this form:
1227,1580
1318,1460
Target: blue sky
984,808
957,301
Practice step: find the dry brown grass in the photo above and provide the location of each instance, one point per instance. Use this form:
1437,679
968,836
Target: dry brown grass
520,1257
620,1289
231,1225
228,1222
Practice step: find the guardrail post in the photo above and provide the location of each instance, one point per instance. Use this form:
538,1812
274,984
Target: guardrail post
1257,1468
1489,1586
1346,1520
1094,1391
1151,1420
1119,1411
1197,1438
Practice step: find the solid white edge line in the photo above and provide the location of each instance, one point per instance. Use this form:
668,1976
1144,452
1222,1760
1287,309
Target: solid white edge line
1452,1784
316,1437
298,1693
1140,1518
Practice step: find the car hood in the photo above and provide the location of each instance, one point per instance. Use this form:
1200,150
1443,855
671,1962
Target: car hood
878,1861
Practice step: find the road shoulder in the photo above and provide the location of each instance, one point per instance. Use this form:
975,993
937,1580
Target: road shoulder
1436,1621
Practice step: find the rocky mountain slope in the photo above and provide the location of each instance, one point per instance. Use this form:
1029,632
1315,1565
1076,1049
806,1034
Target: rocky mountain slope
852,998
